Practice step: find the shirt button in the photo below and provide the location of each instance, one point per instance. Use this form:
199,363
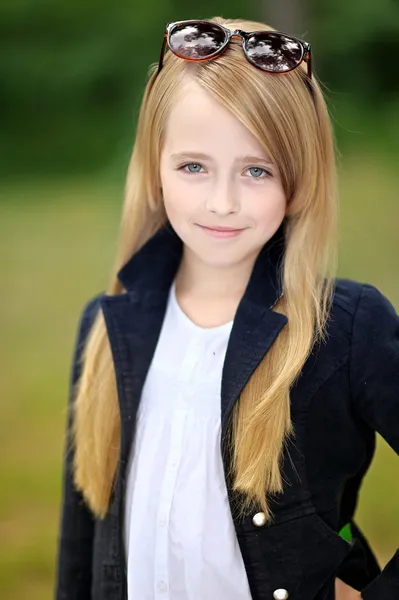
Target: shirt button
259,519
280,594
162,522
162,586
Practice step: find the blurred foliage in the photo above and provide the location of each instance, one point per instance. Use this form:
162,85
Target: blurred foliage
72,74
357,43
356,46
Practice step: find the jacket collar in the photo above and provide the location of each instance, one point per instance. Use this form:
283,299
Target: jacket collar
153,267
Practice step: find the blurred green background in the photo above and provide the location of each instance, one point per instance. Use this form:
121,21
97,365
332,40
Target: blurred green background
71,79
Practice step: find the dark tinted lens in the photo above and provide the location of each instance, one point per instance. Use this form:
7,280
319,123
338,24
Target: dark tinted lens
196,40
274,51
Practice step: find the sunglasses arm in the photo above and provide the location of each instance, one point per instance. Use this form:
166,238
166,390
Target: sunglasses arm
308,59
160,64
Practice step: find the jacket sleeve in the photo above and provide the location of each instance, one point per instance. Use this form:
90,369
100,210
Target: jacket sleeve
73,577
375,394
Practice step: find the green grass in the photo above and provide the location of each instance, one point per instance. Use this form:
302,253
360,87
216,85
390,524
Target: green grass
57,245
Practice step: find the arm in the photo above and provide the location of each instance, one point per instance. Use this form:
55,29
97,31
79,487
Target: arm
73,580
375,390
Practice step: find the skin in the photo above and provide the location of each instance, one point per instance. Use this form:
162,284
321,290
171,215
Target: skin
220,189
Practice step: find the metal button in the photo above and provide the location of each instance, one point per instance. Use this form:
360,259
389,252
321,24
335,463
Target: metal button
259,519
280,594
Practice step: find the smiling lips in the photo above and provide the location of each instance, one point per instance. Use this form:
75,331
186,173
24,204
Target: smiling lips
220,228
221,232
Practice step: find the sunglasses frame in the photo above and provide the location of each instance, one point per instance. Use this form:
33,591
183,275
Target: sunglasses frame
244,35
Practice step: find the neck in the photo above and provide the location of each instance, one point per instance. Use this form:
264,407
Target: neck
196,279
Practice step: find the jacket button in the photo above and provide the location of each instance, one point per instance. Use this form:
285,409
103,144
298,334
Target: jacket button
259,519
280,594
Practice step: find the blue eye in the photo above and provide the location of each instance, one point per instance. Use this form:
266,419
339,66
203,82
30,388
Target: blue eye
183,167
257,171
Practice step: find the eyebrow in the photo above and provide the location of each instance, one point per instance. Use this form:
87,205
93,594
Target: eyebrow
201,156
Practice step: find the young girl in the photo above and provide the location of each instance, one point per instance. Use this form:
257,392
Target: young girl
227,386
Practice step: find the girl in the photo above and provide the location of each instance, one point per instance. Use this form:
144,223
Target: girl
226,387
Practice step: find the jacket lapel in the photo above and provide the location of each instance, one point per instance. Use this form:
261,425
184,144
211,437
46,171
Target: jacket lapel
254,331
134,320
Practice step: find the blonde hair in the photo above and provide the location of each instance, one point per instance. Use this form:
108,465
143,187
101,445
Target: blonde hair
294,127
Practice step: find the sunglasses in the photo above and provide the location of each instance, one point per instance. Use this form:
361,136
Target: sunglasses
271,51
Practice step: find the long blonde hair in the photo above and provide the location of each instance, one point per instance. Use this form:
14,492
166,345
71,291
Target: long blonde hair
294,127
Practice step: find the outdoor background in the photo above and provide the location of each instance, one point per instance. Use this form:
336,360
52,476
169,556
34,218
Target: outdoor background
71,78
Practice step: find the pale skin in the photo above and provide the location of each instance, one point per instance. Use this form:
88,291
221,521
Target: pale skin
232,184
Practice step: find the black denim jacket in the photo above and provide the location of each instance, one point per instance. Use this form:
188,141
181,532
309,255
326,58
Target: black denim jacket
348,390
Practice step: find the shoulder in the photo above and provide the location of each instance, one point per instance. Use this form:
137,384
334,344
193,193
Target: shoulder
346,294
360,313
369,316
86,320
91,307
87,316
360,299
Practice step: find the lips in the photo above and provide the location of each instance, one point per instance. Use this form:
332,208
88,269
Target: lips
221,228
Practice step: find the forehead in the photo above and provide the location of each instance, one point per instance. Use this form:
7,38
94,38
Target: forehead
205,123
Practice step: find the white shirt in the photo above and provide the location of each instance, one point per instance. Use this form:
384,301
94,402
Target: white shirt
179,534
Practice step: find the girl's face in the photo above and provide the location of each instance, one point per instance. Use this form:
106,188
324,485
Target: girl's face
215,173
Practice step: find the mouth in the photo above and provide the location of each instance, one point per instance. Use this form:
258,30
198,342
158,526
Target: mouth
219,228
221,232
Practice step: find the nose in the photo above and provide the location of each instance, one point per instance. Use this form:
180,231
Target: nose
223,199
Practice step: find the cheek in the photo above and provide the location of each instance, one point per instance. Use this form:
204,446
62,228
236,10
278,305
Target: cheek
268,204
175,201
178,195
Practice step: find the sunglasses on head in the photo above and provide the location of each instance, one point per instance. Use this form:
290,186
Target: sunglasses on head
271,51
